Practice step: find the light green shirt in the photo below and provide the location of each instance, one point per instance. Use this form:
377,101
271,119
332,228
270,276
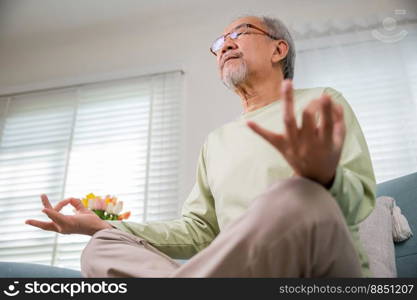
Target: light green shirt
236,165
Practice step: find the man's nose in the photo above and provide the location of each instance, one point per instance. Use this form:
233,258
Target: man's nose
229,44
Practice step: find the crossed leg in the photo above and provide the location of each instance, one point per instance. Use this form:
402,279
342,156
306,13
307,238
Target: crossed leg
294,229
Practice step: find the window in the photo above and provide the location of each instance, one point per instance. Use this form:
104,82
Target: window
378,78
120,138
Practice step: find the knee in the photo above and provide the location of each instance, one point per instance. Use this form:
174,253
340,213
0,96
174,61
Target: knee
96,250
296,200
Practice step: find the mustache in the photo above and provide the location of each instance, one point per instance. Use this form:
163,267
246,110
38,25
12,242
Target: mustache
229,55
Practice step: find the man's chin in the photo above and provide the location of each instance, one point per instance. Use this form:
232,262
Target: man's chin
233,75
231,83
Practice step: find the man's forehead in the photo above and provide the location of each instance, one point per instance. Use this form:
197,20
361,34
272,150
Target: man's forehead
251,20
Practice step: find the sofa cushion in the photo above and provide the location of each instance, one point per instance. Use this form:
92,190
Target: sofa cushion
376,236
404,191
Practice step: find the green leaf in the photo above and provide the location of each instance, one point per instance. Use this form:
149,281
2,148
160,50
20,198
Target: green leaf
99,213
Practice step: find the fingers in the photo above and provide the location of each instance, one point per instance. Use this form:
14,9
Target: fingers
50,226
332,128
45,201
276,140
77,204
55,216
62,203
339,131
53,213
73,201
58,207
326,128
289,117
309,126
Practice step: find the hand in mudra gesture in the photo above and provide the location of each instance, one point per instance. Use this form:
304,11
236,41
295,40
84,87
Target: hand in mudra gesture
84,221
314,150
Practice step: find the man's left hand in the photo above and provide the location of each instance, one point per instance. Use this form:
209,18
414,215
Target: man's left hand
314,150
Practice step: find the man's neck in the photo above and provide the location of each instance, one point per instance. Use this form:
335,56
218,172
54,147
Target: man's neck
258,92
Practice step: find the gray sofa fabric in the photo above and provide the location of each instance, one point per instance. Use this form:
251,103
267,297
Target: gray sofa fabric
376,236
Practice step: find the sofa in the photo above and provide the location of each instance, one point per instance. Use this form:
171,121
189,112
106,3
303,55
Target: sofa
402,189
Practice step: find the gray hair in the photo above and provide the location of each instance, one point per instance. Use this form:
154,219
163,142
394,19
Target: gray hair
277,29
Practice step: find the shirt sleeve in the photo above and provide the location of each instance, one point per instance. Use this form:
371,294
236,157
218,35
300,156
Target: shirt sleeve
354,183
193,231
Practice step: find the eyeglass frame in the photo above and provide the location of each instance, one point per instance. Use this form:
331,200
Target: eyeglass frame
239,34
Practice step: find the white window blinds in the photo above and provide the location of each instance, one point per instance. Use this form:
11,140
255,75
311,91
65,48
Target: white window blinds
120,138
379,81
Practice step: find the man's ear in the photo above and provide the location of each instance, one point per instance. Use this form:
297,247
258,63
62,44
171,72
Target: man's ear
280,51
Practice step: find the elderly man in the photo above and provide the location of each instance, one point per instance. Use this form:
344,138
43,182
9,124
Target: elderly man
279,191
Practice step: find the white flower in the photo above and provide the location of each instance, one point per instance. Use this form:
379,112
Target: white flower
110,208
118,208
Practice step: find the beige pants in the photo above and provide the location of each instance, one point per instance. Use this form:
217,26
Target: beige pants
294,229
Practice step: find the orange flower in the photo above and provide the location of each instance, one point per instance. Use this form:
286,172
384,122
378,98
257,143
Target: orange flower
110,199
124,215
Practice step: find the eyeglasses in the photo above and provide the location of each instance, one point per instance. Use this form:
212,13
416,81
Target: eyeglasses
238,31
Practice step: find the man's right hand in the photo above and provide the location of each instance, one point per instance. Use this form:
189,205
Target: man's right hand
84,221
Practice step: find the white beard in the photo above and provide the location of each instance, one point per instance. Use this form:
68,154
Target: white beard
234,75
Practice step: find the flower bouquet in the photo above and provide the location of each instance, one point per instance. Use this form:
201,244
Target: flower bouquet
107,208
